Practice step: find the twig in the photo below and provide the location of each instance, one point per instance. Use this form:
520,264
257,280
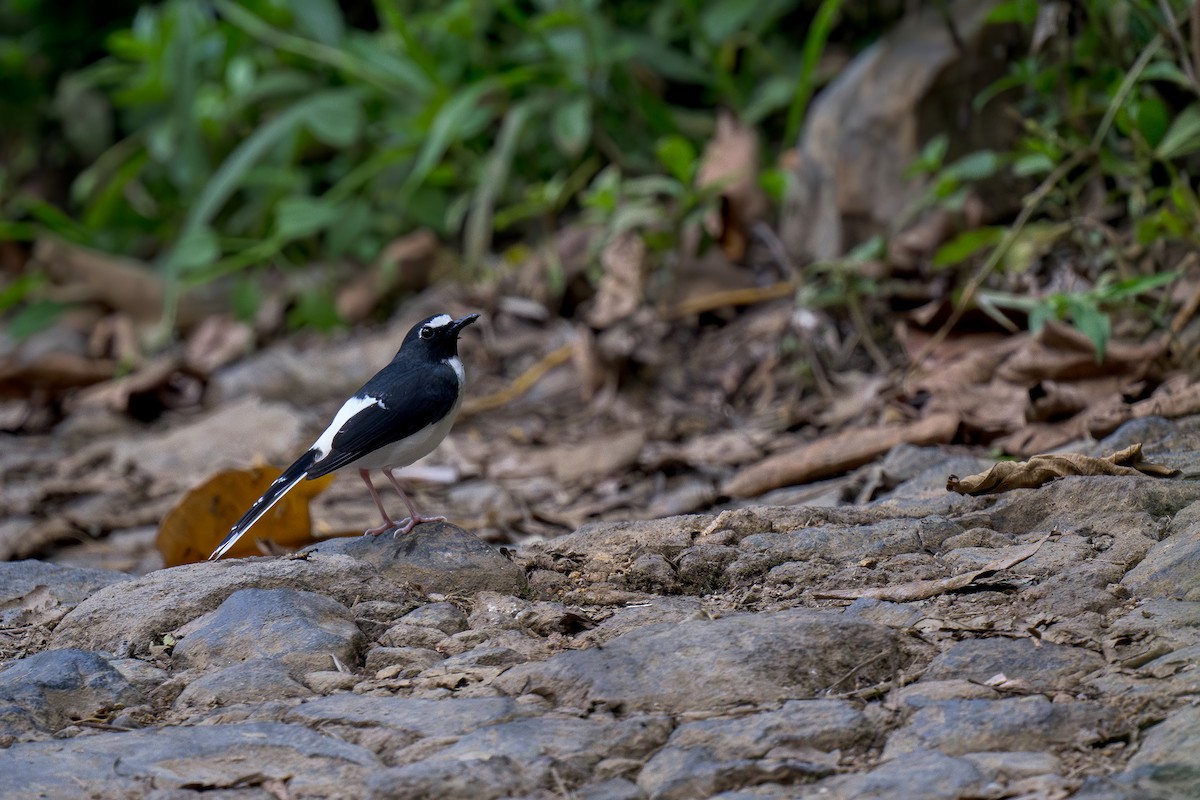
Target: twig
522,384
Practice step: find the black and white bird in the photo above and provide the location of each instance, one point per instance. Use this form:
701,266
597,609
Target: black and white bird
397,417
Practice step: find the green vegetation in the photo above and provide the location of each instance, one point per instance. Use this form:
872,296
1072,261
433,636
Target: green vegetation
212,138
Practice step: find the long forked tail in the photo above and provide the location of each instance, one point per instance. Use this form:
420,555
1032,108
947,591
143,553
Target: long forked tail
282,485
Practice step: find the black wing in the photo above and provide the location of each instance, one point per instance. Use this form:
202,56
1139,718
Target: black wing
410,399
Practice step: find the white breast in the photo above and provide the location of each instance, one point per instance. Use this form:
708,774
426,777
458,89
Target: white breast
419,444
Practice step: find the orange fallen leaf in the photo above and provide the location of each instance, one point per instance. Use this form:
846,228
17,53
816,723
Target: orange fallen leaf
199,521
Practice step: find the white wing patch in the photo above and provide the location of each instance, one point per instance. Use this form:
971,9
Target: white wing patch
349,409
440,321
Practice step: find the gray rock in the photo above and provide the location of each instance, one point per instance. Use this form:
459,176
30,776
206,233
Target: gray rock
446,617
302,630
611,789
147,762
409,660
744,658
923,774
29,587
248,682
1043,666
1167,764
405,635
955,727
1172,567
49,690
128,618
484,657
535,753
709,756
328,681
436,556
376,616
389,724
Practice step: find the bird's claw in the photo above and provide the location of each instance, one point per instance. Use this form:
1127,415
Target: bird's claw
408,523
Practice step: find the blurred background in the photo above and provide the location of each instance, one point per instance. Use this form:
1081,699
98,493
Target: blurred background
728,252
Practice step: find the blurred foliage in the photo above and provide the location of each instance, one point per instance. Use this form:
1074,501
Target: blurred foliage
246,132
1109,103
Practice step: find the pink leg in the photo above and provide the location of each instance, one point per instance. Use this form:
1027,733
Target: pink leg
388,522
417,517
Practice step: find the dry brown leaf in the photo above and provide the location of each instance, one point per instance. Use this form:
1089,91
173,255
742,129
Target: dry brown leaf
1059,352
1040,470
216,342
201,519
521,384
922,590
54,371
731,162
404,265
158,385
623,282
836,453
1170,401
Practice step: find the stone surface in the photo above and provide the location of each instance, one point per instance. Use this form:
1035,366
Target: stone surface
955,727
245,682
147,763
446,617
743,658
925,774
1042,666
1172,567
50,690
304,631
1167,763
435,556
166,599
791,744
30,588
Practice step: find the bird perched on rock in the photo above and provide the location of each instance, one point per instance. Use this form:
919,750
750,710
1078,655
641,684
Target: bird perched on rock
397,417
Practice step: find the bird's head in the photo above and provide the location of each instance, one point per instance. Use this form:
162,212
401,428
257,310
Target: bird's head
437,335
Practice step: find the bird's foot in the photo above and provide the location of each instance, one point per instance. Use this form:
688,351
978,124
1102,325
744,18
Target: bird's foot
378,529
408,523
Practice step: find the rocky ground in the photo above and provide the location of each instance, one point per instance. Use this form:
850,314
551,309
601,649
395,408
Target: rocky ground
684,657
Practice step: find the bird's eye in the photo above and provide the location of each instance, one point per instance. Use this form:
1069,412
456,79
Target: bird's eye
426,333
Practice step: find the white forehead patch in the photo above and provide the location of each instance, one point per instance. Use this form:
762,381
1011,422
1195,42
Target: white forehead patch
440,321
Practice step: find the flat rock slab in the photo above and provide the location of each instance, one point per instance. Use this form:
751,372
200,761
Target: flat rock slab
304,631
715,664
148,762
28,588
50,690
1167,764
393,723
1172,567
128,618
1043,666
435,556
955,727
254,681
522,756
708,756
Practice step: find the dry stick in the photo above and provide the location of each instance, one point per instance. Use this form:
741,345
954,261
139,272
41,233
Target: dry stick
1173,28
1034,199
521,384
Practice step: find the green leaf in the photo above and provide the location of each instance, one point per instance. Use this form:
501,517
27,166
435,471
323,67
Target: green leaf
36,316
339,120
1091,322
679,157
722,19
196,248
1032,164
1132,287
448,126
319,19
1183,137
314,309
1151,117
974,166
297,217
571,125
965,245
16,291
